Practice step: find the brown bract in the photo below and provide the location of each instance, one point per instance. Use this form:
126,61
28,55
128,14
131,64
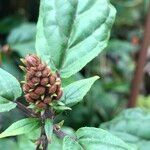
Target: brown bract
41,86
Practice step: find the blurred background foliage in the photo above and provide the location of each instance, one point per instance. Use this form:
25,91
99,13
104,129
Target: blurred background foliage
115,65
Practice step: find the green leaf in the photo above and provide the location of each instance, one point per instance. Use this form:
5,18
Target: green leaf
48,129
93,138
69,43
24,143
21,127
22,39
74,92
126,47
9,65
56,142
90,138
60,109
10,22
6,105
9,86
6,144
70,144
132,126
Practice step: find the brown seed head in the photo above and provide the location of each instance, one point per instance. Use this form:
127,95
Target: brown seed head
41,86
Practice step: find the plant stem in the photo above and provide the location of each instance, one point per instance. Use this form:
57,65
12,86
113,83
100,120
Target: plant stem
26,110
140,65
43,141
59,132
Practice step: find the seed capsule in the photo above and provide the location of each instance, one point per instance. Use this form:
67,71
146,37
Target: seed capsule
29,76
38,74
53,89
52,79
44,81
31,85
28,98
33,95
41,105
33,68
58,89
59,95
40,90
47,100
41,67
32,60
26,88
31,71
35,80
46,72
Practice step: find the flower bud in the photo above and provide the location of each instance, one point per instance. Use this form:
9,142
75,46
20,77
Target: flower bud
29,76
31,71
